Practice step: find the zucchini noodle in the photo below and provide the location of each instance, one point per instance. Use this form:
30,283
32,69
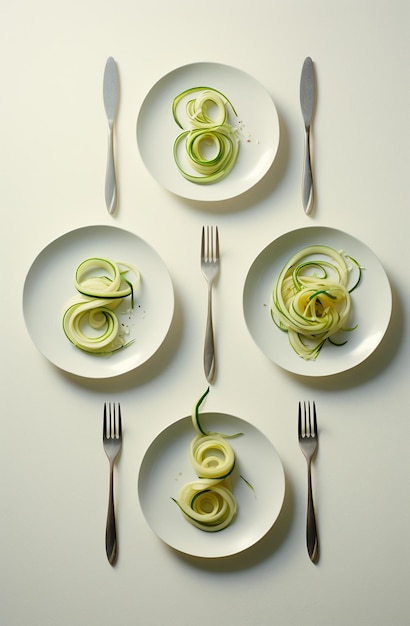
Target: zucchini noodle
208,502
211,143
311,298
89,320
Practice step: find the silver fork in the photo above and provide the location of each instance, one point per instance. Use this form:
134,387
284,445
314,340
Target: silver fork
308,438
112,441
210,270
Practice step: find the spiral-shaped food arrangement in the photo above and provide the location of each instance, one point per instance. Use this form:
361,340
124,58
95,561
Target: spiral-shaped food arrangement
89,320
208,502
311,298
211,143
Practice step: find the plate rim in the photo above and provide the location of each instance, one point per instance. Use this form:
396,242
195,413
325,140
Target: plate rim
299,368
80,231
200,196
185,423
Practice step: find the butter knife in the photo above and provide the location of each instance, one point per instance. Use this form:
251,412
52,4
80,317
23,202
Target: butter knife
110,94
307,103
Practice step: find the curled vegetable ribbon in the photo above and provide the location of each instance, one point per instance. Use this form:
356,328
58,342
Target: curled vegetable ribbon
208,502
211,144
311,299
89,320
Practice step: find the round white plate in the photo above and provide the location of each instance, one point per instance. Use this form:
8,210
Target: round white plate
259,139
166,468
371,300
49,286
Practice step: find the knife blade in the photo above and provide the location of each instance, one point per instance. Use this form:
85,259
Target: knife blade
110,95
307,103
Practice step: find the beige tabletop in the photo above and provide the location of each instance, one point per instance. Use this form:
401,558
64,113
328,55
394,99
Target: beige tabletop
54,485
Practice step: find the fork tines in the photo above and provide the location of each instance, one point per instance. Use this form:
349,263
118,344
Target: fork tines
112,428
210,243
308,426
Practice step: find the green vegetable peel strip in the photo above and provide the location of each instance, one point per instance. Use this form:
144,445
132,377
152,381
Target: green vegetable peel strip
211,144
208,502
207,95
311,299
197,424
115,286
95,306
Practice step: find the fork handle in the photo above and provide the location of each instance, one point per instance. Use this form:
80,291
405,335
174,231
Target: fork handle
209,347
312,541
111,531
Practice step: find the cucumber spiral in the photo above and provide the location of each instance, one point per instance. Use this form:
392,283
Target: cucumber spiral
311,299
89,321
211,144
208,502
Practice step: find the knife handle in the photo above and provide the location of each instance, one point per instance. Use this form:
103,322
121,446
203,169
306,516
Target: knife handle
307,187
110,176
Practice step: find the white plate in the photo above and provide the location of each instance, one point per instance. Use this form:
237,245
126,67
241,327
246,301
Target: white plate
157,130
49,285
372,303
166,468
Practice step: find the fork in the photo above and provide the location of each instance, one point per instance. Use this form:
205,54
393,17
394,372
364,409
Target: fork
308,438
112,441
210,270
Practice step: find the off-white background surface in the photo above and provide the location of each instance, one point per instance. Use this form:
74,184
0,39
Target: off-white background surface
54,473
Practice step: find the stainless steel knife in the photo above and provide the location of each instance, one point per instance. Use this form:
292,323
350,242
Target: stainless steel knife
110,93
307,103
